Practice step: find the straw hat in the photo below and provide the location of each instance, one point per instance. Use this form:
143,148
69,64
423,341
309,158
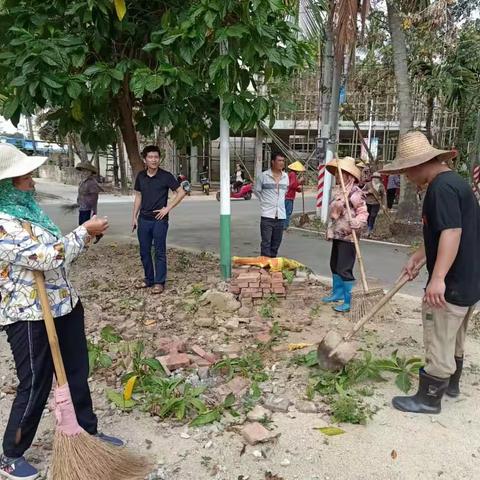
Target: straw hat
347,164
414,149
86,166
297,166
14,163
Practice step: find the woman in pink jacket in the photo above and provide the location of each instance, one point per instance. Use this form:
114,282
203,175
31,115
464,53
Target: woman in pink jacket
339,231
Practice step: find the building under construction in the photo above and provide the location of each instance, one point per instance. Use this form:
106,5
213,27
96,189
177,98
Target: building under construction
373,114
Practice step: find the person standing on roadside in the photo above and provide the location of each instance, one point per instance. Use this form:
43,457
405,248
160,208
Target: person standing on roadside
375,198
271,187
294,186
393,186
88,191
451,234
150,217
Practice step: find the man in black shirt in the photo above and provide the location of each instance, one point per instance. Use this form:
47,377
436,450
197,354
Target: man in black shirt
451,232
150,216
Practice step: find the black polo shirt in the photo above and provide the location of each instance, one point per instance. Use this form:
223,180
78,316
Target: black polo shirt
450,203
154,191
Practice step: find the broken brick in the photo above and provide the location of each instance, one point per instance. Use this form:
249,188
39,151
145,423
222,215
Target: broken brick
263,337
199,361
234,290
257,294
168,345
254,284
254,433
175,361
243,284
202,353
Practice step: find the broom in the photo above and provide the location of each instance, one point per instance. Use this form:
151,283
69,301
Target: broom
361,303
78,455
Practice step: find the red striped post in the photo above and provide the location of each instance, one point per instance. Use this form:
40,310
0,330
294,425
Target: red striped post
320,183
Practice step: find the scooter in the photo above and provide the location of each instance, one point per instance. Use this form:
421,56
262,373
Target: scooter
245,191
184,183
205,183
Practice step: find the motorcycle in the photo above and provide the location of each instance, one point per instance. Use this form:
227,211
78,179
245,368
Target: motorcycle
245,191
184,183
205,183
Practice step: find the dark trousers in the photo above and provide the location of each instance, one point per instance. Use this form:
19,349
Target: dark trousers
33,361
342,259
288,211
391,194
153,232
271,230
83,216
372,215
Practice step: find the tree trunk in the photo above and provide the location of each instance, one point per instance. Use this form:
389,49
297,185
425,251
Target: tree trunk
429,119
408,207
259,136
116,180
31,133
96,159
71,156
129,134
121,163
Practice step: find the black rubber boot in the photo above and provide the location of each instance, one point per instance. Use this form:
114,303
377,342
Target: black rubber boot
428,399
453,389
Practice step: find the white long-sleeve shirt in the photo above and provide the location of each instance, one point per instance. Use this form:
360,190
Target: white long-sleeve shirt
272,194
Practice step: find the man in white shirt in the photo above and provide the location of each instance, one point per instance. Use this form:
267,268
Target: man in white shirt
271,187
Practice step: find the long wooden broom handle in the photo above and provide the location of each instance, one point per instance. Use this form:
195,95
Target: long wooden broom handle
354,234
387,297
48,318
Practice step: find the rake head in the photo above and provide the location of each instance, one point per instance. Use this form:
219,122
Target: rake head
363,302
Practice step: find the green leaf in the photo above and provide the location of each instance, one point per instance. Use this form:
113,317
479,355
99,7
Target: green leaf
229,400
109,335
169,40
330,431
92,360
74,90
77,112
104,361
10,107
116,74
51,83
119,401
403,382
151,47
154,82
18,82
205,418
238,109
93,70
153,363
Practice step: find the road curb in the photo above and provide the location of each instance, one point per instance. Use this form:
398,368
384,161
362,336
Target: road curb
366,240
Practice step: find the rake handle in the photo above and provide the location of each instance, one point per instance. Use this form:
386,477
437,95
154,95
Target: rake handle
354,234
48,319
387,297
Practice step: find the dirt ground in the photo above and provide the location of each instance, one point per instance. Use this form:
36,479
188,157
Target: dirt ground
392,445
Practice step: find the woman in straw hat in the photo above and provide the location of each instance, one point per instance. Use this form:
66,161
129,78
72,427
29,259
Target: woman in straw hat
20,311
451,232
88,191
375,197
294,186
342,259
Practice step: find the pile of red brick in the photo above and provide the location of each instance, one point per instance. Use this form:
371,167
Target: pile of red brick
256,283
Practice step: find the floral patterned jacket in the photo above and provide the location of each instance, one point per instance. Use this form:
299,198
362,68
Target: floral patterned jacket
19,255
338,224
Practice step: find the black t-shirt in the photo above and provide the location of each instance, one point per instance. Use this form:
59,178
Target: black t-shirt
450,203
154,191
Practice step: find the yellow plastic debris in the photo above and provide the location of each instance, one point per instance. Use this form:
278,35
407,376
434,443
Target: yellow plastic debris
298,346
128,390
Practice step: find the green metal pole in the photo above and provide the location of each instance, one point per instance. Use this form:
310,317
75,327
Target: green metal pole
225,217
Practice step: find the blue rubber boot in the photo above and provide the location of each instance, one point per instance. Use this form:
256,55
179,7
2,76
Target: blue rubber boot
337,290
347,297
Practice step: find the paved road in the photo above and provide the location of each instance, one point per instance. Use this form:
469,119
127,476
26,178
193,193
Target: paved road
194,224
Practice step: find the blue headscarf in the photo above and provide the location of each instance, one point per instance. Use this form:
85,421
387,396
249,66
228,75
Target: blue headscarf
22,205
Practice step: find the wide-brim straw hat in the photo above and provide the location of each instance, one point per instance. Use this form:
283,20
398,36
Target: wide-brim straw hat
15,163
297,166
86,166
414,149
347,164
